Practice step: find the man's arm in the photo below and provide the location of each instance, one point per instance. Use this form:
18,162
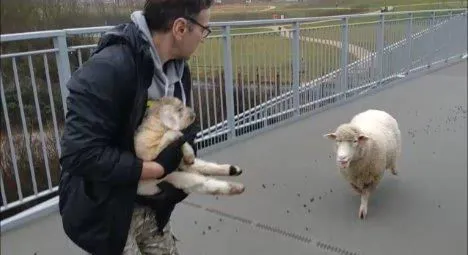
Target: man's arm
97,92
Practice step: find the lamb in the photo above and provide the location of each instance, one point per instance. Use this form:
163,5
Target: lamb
161,126
365,147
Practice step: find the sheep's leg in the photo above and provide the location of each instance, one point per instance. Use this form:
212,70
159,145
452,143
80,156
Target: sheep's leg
391,161
212,168
148,187
364,201
356,188
193,182
392,166
189,154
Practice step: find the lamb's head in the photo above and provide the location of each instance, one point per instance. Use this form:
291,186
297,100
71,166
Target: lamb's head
172,113
349,144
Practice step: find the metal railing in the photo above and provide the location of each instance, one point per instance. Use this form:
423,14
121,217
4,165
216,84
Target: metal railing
249,76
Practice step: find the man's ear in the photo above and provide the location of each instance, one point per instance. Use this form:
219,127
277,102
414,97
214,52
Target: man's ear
169,119
179,27
331,136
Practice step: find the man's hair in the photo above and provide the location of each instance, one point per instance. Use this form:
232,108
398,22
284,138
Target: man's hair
161,14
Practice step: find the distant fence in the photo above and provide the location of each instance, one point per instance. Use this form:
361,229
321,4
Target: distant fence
244,83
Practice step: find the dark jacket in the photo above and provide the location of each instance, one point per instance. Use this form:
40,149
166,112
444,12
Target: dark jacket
100,173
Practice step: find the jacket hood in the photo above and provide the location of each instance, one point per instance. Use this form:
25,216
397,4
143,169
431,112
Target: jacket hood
126,33
137,35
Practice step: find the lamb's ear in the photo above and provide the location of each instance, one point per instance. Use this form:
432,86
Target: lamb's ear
362,139
169,119
331,136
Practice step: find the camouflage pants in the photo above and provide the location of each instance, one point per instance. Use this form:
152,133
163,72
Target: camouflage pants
143,237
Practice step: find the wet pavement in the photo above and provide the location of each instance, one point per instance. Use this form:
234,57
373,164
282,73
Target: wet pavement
297,203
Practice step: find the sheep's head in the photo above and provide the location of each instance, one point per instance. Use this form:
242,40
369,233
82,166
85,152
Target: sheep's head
349,142
172,113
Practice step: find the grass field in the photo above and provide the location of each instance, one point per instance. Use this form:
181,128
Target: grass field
265,55
295,9
252,47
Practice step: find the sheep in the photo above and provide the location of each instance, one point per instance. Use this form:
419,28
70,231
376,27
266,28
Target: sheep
365,147
161,125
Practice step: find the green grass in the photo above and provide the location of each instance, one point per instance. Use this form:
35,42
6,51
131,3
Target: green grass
263,55
380,3
241,30
266,55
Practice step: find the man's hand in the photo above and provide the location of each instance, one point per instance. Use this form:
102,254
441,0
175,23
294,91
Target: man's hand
170,157
190,134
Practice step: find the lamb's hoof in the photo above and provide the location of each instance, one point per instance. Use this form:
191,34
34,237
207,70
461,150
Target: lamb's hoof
189,160
394,172
235,171
236,188
362,212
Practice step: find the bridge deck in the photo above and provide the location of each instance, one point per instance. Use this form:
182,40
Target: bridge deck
297,203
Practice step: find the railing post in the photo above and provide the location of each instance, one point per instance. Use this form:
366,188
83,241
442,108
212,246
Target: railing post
344,58
449,36
380,48
228,81
296,58
409,44
63,66
432,48
463,19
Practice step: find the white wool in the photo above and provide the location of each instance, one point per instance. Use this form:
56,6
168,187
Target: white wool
368,160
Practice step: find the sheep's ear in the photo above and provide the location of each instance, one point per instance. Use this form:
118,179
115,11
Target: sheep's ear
169,119
362,139
331,136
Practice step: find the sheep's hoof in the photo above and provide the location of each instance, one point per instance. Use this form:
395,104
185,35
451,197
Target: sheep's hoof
362,212
189,160
394,171
217,187
234,171
236,188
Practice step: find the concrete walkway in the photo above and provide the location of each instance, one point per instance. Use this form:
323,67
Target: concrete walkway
297,203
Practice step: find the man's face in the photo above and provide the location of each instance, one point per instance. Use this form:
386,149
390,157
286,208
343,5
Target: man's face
195,31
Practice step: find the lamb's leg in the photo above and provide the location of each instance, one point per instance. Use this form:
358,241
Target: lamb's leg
147,187
189,154
193,182
212,168
364,201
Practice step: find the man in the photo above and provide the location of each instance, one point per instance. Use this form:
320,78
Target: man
134,62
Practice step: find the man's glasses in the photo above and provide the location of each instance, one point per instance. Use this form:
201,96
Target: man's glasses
206,29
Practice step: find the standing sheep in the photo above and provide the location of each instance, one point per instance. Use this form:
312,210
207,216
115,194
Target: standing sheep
365,147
